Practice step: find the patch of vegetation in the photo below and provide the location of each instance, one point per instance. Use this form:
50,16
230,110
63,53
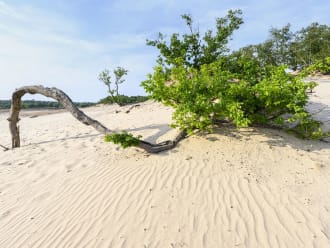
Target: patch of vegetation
124,139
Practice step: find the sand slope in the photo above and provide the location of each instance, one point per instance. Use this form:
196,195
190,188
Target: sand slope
65,187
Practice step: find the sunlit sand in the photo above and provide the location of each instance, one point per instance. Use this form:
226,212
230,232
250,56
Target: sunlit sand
253,187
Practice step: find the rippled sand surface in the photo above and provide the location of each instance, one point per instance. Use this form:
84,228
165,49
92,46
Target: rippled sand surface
65,187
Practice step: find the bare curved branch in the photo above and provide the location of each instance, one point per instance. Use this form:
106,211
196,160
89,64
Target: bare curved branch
67,103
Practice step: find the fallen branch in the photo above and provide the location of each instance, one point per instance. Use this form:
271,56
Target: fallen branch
319,111
4,148
131,107
67,103
166,145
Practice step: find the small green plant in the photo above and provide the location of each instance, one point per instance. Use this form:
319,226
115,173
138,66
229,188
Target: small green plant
311,85
105,77
124,139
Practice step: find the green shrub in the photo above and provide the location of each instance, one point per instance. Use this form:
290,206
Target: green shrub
202,97
205,88
124,139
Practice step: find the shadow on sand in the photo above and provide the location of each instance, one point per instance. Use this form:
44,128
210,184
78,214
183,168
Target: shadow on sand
272,137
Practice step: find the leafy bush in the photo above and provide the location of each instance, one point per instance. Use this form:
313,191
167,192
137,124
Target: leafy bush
202,97
226,87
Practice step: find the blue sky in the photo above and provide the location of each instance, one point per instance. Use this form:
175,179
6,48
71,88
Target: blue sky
66,44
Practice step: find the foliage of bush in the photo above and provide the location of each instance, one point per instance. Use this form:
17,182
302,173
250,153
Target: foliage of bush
124,139
191,49
235,87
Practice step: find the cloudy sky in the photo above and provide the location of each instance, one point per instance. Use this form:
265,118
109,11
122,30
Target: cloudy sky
66,44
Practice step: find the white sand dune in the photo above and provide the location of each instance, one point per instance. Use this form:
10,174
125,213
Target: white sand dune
319,103
65,187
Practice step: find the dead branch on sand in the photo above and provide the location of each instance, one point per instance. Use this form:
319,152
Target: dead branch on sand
67,103
4,148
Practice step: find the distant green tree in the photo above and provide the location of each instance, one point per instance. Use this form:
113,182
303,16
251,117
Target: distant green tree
275,50
294,49
105,77
312,43
281,39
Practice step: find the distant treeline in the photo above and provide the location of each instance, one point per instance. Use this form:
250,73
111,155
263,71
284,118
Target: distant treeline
33,104
296,50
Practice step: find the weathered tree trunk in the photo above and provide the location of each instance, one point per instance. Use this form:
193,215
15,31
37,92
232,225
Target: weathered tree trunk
67,103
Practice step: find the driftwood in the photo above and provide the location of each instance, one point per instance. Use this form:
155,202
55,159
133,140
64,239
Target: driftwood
67,103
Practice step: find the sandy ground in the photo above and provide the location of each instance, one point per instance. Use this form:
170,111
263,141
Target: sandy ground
253,188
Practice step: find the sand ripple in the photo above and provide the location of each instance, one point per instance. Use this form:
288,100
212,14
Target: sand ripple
66,188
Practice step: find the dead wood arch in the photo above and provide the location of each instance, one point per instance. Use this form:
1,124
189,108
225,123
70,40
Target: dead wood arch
67,103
